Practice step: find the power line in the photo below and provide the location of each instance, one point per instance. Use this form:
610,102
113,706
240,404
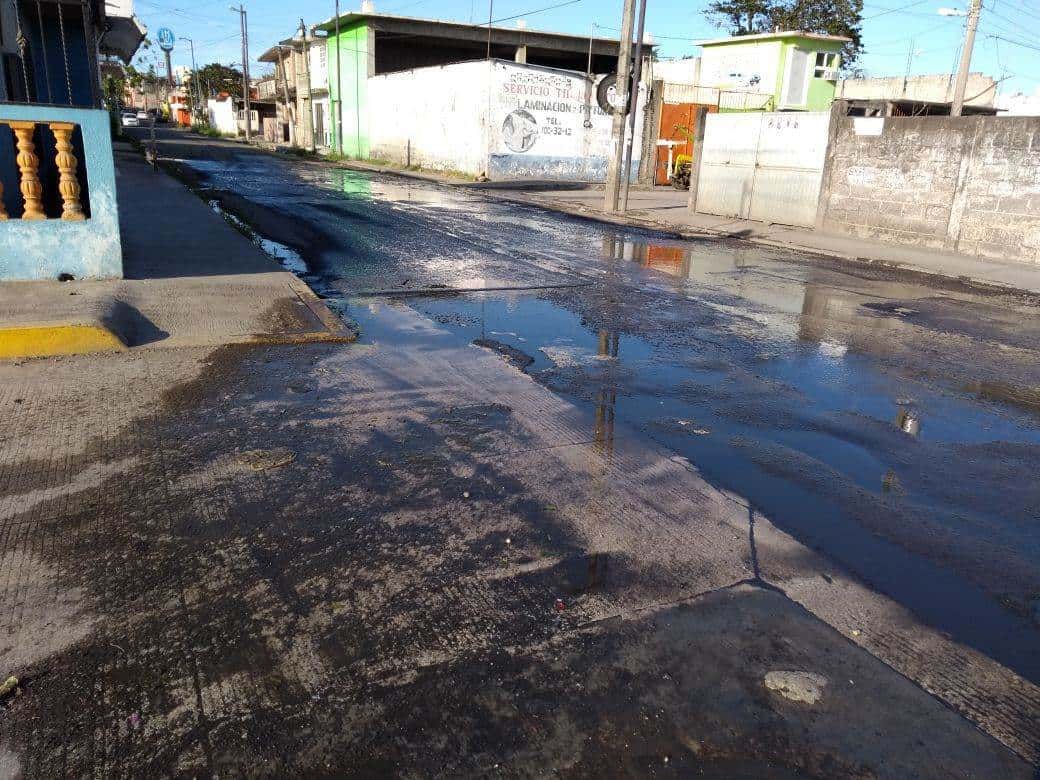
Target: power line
532,13
897,10
1016,43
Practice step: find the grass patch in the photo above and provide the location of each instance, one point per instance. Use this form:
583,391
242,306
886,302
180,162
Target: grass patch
209,132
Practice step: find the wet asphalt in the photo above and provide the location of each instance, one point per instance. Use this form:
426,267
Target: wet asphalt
888,423
891,424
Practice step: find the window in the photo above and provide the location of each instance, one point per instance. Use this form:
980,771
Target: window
826,66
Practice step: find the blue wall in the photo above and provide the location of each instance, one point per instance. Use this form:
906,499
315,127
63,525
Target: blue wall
45,249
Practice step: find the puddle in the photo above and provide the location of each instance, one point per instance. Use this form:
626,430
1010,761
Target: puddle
865,415
289,258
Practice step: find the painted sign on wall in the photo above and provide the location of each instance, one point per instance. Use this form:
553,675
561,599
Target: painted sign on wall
546,123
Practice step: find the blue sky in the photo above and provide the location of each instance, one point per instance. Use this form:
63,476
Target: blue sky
891,29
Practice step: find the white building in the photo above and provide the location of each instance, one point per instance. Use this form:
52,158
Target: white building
221,115
1019,104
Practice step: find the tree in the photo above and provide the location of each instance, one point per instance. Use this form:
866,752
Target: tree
827,17
740,17
215,78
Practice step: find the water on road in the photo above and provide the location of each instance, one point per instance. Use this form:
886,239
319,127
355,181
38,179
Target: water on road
889,423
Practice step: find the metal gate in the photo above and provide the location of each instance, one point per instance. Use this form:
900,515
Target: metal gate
763,166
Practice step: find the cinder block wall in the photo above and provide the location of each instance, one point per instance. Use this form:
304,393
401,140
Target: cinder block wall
966,184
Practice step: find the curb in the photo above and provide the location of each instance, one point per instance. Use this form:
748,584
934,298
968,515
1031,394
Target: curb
670,229
48,339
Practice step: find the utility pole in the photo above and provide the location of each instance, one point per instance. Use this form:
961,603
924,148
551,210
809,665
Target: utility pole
308,115
633,105
285,95
612,191
962,71
196,91
241,11
337,118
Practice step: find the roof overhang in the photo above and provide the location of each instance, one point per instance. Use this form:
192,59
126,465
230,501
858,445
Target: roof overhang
773,36
276,52
436,28
122,37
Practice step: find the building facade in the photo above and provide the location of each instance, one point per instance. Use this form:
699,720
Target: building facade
57,181
362,46
781,71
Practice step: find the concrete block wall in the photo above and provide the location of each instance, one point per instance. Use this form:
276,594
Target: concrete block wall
966,184
999,217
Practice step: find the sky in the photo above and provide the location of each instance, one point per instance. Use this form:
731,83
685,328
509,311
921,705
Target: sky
1007,46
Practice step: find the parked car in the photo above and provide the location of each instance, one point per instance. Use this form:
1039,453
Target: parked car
143,117
129,119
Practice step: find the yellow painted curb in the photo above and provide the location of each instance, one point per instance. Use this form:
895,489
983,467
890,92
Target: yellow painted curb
57,339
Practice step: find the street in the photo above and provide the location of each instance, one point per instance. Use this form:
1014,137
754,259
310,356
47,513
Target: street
571,498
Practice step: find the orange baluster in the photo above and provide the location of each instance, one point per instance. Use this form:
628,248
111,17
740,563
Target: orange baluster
68,184
29,164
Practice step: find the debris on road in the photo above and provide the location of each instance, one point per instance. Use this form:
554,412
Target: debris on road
805,687
262,460
8,687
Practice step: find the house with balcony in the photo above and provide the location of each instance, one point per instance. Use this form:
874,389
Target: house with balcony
778,71
299,88
58,210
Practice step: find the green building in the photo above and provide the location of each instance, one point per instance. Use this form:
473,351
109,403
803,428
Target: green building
781,71
363,46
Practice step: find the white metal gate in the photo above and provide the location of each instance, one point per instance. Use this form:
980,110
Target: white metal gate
763,166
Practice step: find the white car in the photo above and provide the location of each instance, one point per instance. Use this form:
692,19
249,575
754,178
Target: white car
129,119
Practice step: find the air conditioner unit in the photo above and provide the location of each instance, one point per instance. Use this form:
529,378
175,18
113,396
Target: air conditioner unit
830,74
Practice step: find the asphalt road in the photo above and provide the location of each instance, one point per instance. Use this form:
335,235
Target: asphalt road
572,497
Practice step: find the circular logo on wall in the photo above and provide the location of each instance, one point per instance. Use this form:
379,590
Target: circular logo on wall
520,130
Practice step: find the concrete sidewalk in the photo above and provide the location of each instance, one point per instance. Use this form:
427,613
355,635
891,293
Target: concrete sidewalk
191,280
665,209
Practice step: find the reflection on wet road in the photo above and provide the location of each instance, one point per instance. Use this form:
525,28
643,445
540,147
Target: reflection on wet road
891,425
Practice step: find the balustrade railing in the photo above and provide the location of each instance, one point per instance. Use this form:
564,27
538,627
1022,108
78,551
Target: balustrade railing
28,163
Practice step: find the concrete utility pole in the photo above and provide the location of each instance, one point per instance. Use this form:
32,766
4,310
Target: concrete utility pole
308,114
633,105
196,92
962,71
337,118
612,190
285,96
241,11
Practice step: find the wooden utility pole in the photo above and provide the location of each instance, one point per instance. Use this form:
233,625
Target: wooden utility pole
612,191
962,72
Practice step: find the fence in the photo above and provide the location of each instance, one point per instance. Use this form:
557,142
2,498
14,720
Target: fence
51,54
723,99
57,206
967,184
